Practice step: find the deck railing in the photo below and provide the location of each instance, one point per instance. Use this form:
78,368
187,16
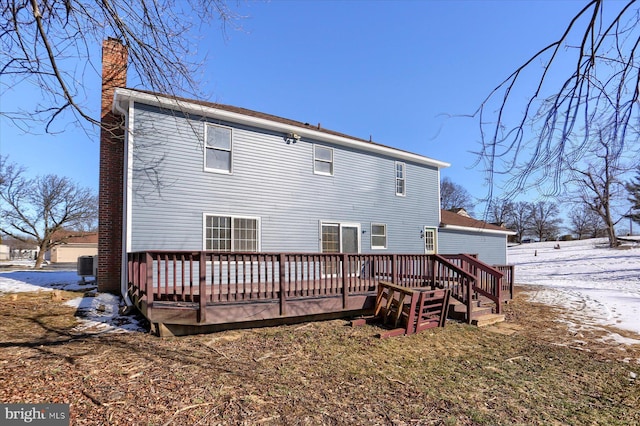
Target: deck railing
508,279
488,280
207,278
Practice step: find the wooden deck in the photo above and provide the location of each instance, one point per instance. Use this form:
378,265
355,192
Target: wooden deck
199,289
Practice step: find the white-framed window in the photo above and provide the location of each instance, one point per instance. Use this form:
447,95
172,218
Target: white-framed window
322,160
378,236
231,233
401,179
430,242
218,148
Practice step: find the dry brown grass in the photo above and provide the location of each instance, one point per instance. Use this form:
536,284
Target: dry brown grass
524,372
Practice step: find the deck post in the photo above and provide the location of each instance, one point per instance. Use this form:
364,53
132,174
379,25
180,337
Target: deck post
202,308
148,280
469,300
394,269
434,270
345,277
282,281
512,279
499,295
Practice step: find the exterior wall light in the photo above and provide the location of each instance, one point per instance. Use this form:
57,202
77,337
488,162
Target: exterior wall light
292,138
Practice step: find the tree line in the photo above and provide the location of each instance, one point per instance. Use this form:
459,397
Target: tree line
591,211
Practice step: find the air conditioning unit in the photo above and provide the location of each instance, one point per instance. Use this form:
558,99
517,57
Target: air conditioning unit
86,266
95,267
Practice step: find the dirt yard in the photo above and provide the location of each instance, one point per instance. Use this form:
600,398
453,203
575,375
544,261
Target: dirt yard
529,370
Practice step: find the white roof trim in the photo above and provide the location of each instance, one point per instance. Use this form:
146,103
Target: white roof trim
128,95
479,230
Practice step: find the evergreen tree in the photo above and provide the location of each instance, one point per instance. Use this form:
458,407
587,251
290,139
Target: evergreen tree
633,186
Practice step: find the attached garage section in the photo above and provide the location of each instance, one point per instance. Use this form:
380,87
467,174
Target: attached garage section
462,234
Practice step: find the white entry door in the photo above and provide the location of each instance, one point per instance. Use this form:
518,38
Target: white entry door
430,242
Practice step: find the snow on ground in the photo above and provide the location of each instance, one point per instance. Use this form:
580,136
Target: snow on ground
96,312
600,286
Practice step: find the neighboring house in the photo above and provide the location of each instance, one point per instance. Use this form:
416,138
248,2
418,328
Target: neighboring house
5,252
459,233
74,247
20,249
201,176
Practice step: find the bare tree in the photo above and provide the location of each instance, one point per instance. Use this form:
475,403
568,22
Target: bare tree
500,211
597,183
518,218
48,44
601,91
40,208
584,222
454,196
544,220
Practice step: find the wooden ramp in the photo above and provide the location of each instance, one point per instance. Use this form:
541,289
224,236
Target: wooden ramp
407,311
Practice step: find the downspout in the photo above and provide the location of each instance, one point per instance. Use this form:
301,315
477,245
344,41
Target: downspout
125,201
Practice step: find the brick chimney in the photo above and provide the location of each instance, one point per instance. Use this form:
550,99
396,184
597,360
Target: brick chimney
114,74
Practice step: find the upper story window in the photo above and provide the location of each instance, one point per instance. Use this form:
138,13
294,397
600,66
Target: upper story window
378,236
229,233
218,149
322,160
401,177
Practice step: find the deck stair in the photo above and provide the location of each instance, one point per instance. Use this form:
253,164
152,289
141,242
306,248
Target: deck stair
404,310
482,312
487,319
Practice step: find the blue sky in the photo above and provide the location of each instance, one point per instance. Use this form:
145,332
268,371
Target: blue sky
398,71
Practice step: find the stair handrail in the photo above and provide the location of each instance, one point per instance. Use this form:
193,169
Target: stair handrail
495,296
470,280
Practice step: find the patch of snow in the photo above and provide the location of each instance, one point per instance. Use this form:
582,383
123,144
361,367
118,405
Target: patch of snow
600,286
96,312
99,313
20,281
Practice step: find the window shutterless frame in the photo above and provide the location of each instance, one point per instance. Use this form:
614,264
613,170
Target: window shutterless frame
378,236
218,148
322,160
231,233
401,179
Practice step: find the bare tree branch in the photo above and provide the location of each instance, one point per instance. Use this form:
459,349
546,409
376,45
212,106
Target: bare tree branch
602,91
42,208
52,44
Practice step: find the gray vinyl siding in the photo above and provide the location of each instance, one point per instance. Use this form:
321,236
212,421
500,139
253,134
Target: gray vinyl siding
272,181
490,248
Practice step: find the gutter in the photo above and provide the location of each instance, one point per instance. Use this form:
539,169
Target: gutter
478,230
123,252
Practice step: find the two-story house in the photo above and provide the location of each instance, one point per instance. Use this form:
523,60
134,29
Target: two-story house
187,175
